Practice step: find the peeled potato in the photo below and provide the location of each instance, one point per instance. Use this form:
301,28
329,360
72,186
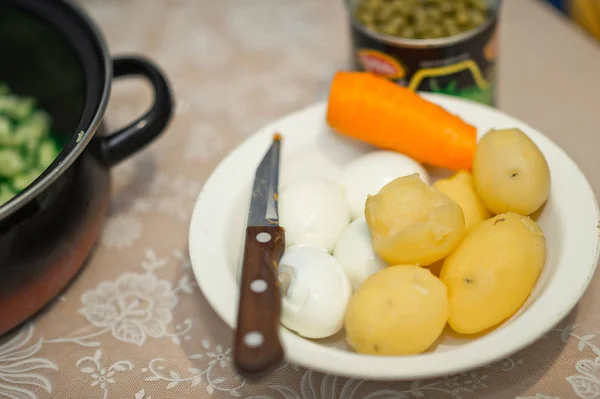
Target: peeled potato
510,172
413,223
492,272
461,189
399,310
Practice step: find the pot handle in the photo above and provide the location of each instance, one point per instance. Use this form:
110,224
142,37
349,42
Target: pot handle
119,145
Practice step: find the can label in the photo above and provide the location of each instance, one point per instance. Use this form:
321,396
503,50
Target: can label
464,68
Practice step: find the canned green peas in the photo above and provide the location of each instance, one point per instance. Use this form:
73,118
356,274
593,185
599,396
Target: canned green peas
443,46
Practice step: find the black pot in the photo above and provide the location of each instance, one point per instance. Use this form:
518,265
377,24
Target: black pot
52,51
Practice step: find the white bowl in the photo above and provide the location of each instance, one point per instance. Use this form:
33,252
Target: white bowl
569,220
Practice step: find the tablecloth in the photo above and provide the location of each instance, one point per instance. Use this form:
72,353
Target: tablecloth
134,324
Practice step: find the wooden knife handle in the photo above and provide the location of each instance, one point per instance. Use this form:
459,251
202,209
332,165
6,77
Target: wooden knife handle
257,348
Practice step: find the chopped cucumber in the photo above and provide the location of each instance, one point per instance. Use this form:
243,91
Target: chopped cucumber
33,130
15,107
11,162
6,193
22,180
6,131
26,145
47,153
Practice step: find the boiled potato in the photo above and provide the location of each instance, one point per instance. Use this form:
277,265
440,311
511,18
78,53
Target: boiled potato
400,310
510,172
413,223
492,272
460,188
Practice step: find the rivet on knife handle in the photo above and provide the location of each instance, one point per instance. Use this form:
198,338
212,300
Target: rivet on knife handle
257,345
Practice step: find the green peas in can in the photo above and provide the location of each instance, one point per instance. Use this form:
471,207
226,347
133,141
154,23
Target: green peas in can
443,46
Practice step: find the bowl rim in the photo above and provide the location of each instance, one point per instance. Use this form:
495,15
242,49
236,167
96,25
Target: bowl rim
216,286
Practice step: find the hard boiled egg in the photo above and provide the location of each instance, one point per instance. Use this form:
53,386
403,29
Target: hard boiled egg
313,211
355,252
367,174
314,292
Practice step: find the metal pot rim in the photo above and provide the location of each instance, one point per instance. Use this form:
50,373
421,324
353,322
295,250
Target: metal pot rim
57,169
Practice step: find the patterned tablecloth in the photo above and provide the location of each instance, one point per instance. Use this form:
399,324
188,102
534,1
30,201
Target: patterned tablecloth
134,324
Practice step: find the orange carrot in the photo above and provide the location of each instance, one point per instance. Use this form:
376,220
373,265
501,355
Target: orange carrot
377,111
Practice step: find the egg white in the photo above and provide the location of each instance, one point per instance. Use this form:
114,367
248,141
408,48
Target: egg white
313,211
314,302
355,252
367,174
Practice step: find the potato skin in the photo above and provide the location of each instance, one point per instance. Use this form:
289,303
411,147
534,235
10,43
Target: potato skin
510,172
413,223
492,272
399,310
461,189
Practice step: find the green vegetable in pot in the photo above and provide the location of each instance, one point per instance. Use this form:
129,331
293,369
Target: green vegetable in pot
27,147
6,193
6,130
47,153
32,130
11,162
22,180
16,107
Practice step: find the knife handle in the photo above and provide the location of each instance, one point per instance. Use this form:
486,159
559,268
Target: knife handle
257,348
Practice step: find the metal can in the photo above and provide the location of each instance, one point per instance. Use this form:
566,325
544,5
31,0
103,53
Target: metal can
462,65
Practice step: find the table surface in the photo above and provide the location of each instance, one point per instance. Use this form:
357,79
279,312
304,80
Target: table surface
135,325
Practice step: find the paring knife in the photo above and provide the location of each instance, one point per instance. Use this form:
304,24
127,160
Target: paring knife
257,348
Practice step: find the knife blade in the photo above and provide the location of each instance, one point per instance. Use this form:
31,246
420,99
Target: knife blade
257,347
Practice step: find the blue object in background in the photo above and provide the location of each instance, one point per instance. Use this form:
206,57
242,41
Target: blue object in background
559,4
